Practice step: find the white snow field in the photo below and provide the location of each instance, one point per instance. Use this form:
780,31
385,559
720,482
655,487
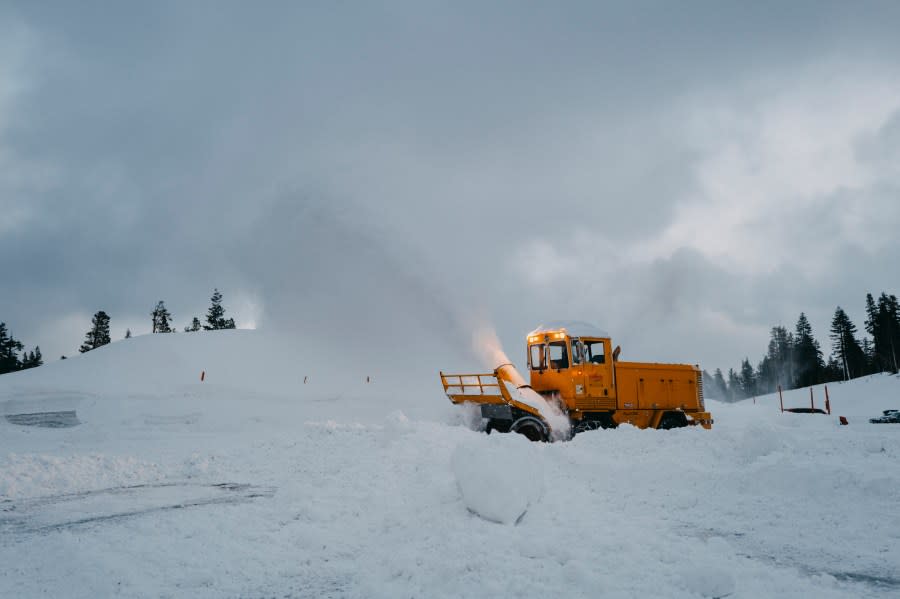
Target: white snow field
254,484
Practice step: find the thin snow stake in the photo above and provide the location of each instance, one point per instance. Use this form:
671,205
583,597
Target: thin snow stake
780,398
202,375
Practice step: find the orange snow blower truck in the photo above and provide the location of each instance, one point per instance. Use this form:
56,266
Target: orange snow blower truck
575,371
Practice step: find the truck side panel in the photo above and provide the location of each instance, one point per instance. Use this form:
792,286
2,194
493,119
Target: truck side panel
650,386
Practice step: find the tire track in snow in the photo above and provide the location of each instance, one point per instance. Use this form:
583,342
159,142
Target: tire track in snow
874,583
42,515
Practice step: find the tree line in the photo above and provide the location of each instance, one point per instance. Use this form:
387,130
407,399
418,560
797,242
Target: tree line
9,353
99,335
795,359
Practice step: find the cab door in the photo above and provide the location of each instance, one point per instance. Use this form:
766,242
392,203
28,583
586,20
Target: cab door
577,370
537,364
598,370
551,376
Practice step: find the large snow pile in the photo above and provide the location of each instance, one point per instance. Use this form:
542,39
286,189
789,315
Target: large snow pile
254,484
499,479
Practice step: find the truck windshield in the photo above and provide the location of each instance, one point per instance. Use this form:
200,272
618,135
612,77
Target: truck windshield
559,357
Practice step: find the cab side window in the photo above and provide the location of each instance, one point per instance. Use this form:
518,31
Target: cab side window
559,357
577,351
594,353
536,357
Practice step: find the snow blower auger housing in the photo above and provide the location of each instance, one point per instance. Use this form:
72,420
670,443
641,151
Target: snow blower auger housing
574,370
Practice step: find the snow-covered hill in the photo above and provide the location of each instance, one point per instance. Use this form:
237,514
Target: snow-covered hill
253,483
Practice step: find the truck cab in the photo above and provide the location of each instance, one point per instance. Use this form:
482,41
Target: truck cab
576,371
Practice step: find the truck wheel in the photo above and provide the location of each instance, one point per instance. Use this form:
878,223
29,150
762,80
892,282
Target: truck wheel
533,428
672,420
594,423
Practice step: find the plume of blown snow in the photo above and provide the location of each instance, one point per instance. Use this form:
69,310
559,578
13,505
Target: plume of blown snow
489,349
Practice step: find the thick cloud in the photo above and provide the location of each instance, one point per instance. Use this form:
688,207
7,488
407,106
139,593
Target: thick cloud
685,175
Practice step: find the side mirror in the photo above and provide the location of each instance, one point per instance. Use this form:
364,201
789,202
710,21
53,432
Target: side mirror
616,353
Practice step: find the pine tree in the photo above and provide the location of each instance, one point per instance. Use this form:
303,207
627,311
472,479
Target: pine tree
868,349
720,385
882,324
808,363
98,336
846,349
747,379
778,365
161,318
735,391
890,307
877,353
32,359
766,375
709,386
216,313
9,351
215,316
194,326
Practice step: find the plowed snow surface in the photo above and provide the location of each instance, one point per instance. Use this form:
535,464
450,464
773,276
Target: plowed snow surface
253,484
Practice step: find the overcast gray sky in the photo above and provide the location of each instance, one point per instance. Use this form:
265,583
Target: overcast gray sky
684,174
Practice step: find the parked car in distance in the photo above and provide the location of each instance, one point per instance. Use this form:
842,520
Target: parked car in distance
888,416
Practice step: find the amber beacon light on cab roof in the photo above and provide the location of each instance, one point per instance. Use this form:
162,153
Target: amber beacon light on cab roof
577,376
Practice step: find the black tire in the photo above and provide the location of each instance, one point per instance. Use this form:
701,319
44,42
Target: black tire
672,420
532,428
500,426
595,422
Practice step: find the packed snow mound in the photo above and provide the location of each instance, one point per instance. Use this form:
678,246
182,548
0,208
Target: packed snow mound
225,364
162,362
35,475
499,477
